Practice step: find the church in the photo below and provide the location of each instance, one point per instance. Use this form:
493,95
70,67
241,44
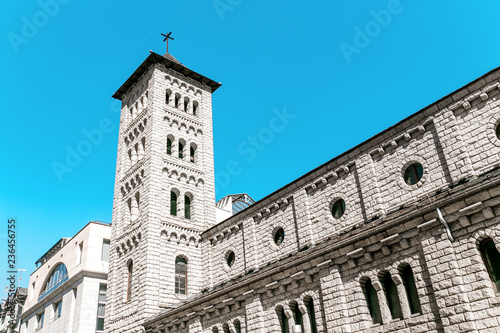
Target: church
398,234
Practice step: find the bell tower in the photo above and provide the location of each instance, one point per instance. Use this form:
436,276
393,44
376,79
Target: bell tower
164,194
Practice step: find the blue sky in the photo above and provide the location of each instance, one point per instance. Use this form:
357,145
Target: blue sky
342,70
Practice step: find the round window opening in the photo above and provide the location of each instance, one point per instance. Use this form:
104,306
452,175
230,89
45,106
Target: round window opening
413,173
338,208
498,130
230,258
279,236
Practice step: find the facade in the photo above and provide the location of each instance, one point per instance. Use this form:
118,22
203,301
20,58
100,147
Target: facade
399,234
67,292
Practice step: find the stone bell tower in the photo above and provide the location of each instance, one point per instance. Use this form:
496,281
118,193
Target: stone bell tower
164,193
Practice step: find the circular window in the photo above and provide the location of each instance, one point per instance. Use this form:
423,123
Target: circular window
338,208
413,173
498,130
230,258
279,236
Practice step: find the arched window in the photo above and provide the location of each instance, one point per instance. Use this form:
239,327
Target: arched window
225,328
187,207
59,276
181,150
173,203
167,97
192,150
491,258
130,269
391,295
177,100
186,104
195,107
372,302
169,146
283,319
180,276
215,329
297,315
308,301
237,326
411,289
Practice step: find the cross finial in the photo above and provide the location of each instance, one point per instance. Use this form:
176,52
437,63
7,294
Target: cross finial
167,37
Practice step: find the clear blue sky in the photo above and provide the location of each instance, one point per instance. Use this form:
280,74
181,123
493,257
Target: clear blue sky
344,69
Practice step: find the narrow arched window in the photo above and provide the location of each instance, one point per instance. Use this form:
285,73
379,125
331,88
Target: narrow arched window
167,97
225,328
391,295
372,302
191,153
237,326
215,329
187,207
177,100
411,289
283,319
195,108
173,203
186,104
181,150
297,314
310,313
180,275
169,146
129,280
491,258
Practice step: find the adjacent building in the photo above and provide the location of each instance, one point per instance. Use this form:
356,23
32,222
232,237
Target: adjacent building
399,234
67,291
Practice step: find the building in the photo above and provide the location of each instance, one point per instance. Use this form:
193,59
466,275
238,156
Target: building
11,309
67,292
399,234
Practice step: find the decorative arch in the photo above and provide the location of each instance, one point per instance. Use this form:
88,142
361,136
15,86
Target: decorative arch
57,277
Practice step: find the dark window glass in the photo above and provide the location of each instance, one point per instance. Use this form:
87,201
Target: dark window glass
413,173
195,108
297,316
310,312
187,207
491,258
230,259
498,131
180,276
237,326
279,236
372,301
173,203
169,146
338,208
177,101
186,103
191,154
167,97
283,320
129,281
411,290
225,328
181,150
391,295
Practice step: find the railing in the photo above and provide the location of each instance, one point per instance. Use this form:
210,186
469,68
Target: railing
63,279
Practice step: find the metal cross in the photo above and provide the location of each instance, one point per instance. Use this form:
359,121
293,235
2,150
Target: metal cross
167,37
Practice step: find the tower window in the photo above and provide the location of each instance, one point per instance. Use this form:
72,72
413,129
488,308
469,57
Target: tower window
225,328
391,295
283,319
129,280
279,236
180,275
192,150
237,326
413,173
181,150
195,108
372,302
177,100
411,289
186,104
491,259
310,312
169,146
230,257
187,207
167,97
173,203
338,209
